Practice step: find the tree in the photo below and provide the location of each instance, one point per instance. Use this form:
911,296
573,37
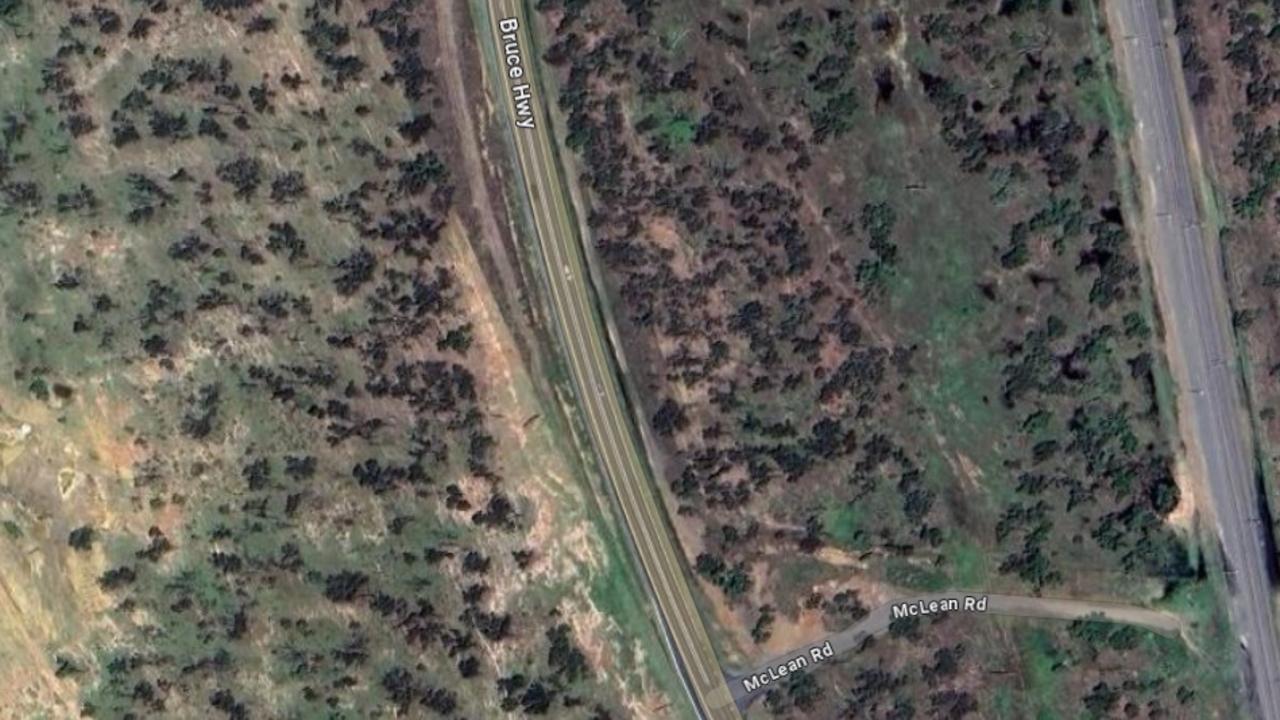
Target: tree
81,538
670,418
342,587
243,173
1101,699
567,662
288,187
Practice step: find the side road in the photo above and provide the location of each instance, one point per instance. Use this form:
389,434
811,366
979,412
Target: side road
746,687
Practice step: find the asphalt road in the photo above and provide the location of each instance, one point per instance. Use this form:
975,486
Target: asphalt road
1192,298
1189,283
877,622
591,365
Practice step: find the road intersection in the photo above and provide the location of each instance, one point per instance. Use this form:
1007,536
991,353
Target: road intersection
584,340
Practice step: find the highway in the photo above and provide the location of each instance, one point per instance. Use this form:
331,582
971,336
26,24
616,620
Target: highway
1191,295
745,690
591,364
1189,284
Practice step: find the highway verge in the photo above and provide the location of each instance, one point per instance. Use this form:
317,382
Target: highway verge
582,335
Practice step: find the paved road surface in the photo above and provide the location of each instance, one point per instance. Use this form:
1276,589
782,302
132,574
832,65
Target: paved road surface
1193,301
595,383
744,691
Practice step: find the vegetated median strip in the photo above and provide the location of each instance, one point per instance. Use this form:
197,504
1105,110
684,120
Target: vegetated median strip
747,686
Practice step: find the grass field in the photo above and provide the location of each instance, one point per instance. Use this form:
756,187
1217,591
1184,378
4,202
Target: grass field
875,270
270,447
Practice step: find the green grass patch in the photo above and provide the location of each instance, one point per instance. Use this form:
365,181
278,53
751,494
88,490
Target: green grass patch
1041,660
671,127
1002,703
1100,102
1105,97
937,293
618,593
911,576
844,525
967,563
1212,659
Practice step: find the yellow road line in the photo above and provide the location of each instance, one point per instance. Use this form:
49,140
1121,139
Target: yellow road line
599,396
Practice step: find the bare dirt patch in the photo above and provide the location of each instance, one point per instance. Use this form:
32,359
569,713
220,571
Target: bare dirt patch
464,84
567,549
54,477
1189,486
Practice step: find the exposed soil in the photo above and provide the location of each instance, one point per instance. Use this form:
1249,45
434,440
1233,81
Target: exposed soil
459,63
